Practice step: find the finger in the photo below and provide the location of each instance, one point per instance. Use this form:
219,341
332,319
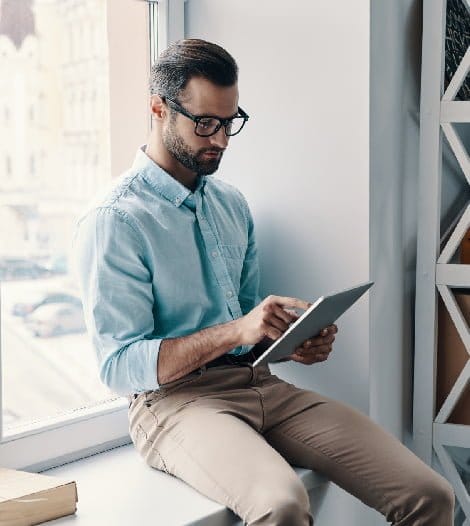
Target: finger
276,322
286,301
298,358
309,360
274,327
306,360
309,357
293,312
313,342
314,351
272,332
284,315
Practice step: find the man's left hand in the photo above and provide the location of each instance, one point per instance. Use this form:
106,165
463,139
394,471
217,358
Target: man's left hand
317,348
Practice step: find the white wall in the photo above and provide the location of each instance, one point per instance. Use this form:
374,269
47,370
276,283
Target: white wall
302,160
303,164
396,29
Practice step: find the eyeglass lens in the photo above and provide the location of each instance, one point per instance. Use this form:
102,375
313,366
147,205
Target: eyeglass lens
208,126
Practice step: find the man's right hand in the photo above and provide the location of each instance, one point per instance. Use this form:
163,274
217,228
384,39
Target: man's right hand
269,318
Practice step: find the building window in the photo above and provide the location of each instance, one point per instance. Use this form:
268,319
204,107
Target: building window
32,165
53,363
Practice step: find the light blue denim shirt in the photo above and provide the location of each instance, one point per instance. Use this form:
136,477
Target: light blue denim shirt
155,260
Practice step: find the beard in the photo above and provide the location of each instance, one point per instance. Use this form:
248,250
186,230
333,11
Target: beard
190,159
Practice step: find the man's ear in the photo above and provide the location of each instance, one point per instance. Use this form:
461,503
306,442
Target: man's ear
158,107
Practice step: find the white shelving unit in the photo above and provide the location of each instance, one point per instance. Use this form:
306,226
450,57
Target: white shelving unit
435,272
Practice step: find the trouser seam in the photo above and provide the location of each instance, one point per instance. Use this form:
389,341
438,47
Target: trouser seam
328,454
260,430
159,456
150,442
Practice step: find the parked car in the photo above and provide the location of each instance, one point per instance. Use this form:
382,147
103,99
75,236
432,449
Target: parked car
57,264
56,318
22,268
43,298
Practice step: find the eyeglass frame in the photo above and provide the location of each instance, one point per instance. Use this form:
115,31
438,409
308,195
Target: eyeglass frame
197,118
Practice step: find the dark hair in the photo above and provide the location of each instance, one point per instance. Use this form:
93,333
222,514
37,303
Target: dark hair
190,58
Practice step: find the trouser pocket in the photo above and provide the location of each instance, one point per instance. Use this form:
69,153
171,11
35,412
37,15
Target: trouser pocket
166,389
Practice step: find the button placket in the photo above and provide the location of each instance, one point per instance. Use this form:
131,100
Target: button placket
217,261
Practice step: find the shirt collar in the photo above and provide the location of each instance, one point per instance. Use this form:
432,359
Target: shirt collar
163,182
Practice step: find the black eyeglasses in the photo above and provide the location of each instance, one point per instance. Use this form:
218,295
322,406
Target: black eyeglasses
207,125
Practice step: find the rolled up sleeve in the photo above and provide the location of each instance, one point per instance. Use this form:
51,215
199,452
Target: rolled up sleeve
116,290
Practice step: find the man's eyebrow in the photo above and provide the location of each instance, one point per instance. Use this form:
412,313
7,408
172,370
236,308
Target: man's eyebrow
217,116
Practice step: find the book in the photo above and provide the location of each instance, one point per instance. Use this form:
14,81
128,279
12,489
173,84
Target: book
32,498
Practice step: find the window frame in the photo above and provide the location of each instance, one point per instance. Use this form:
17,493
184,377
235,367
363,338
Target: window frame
82,432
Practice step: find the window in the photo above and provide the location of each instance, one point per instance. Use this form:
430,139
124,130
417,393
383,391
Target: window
32,165
8,165
53,405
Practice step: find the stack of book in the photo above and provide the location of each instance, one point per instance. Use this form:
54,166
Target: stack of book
32,498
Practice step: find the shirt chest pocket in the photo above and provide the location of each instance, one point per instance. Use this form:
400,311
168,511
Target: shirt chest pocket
234,255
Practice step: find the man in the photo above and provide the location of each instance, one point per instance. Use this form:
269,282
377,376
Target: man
169,273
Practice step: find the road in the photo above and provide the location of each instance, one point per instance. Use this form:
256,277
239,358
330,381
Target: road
43,376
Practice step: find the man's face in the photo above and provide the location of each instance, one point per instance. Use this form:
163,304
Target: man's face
200,155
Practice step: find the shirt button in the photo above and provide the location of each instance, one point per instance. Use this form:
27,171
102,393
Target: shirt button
178,200
214,254
229,294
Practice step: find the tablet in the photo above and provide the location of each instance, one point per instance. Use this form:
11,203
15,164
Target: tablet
325,311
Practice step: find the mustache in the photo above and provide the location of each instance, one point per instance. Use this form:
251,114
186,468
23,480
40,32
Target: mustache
211,150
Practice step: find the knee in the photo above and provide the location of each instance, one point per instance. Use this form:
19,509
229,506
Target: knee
435,497
286,505
440,493
436,489
290,511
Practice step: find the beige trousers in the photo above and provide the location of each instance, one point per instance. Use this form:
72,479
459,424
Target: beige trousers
232,431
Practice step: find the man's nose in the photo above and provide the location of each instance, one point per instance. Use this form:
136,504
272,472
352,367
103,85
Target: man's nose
219,139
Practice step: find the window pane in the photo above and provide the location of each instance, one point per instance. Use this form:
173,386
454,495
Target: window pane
55,152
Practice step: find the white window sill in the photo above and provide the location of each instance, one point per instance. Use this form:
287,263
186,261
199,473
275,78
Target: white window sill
117,488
